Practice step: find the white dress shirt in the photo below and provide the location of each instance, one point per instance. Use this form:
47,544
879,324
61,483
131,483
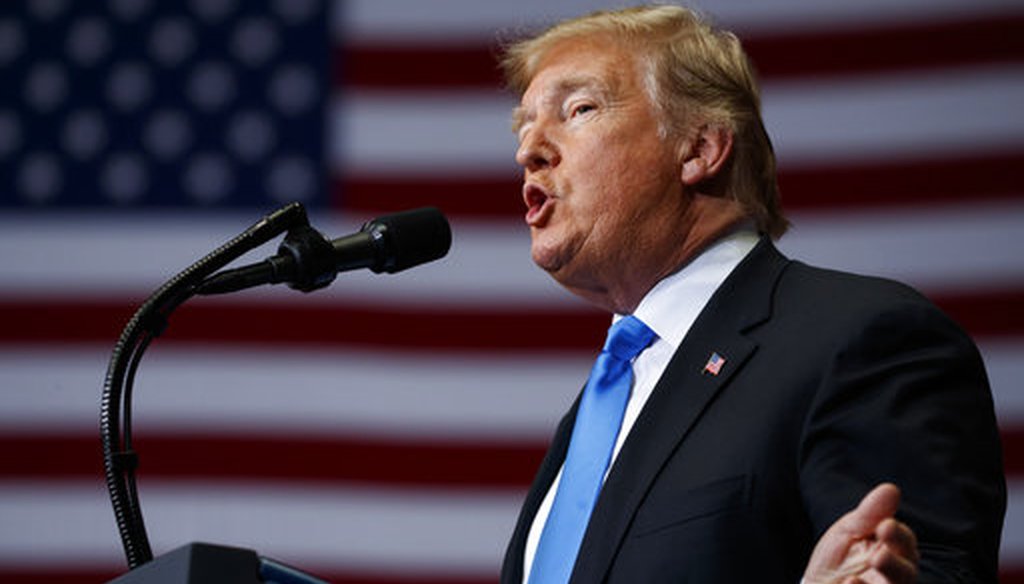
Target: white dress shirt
669,309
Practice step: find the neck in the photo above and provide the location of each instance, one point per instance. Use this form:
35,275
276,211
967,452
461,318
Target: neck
710,218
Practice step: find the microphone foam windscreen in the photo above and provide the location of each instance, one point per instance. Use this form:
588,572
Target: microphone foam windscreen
411,238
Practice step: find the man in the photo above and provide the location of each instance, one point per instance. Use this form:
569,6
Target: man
766,397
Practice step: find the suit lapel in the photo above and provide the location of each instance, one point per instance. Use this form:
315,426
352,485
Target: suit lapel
512,567
681,395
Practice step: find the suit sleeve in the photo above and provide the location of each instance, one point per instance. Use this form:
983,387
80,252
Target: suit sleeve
906,399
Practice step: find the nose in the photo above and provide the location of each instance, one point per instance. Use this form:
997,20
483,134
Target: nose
536,151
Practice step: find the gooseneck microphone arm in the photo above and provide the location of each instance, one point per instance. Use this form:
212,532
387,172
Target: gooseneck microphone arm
306,260
119,460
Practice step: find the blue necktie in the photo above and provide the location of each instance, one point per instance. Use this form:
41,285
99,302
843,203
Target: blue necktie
590,450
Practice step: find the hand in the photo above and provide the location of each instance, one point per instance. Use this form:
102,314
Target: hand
867,545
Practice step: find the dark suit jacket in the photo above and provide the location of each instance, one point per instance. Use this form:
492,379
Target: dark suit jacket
832,383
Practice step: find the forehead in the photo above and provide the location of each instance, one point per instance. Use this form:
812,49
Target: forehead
571,65
575,60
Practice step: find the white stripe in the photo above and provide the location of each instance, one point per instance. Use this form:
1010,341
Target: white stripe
445,21
49,525
268,391
943,249
903,115
489,263
947,249
333,528
423,133
882,118
1012,550
1004,362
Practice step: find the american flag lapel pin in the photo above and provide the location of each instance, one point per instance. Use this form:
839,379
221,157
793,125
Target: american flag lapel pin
714,364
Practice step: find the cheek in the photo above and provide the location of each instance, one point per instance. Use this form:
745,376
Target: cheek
613,175
599,173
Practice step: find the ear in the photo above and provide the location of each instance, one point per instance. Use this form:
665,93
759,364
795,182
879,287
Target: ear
705,156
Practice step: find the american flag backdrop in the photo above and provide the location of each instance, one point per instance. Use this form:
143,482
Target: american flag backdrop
384,430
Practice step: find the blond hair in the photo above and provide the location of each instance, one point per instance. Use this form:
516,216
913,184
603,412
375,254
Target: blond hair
694,74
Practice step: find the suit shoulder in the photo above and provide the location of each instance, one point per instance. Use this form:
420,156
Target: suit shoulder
816,280
835,297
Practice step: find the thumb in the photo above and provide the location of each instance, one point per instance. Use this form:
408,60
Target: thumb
878,505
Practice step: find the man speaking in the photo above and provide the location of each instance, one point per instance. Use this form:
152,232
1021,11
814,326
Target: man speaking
744,401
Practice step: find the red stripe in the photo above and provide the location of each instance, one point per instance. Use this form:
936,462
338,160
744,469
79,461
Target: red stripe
840,51
70,575
477,197
293,458
992,313
412,67
1007,575
1011,574
969,178
67,575
1013,450
350,459
255,323
931,182
996,313
920,45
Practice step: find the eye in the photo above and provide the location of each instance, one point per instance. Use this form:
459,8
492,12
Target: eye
581,108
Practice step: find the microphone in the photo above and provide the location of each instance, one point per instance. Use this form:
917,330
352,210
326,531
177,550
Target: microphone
307,260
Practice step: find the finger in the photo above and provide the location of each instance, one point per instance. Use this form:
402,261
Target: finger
874,577
898,536
893,567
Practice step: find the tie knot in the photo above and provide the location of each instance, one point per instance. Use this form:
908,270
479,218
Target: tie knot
627,337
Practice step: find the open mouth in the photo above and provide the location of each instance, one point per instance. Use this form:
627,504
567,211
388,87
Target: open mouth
538,204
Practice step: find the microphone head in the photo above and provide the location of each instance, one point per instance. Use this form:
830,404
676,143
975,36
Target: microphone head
408,238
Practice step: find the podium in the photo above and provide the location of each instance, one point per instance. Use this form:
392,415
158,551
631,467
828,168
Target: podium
204,563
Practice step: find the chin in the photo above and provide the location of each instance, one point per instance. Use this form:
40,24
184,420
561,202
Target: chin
555,260
544,257
546,264
562,273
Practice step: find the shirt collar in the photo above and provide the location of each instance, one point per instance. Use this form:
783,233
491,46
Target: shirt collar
673,304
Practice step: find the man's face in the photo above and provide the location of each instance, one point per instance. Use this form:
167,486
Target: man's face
598,177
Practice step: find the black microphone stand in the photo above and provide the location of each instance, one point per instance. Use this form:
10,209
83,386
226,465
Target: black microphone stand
119,459
307,261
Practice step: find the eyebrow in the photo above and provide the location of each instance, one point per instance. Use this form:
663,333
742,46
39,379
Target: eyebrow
521,114
519,117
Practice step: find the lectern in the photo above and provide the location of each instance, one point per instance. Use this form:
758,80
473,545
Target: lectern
204,563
